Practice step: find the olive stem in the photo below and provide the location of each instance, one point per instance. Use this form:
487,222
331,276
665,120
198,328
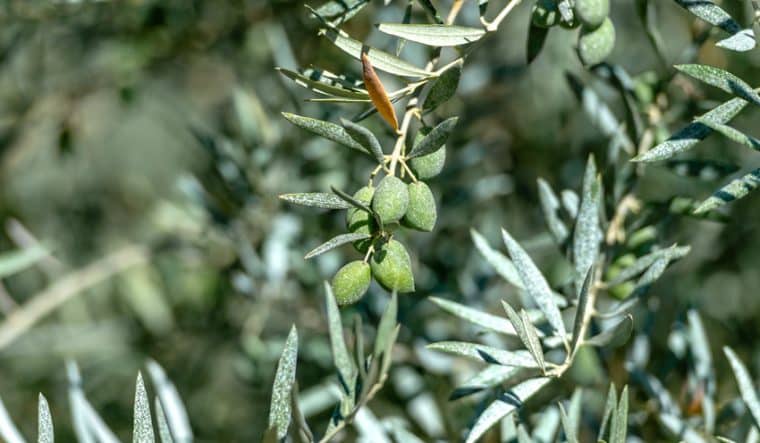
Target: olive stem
409,171
494,25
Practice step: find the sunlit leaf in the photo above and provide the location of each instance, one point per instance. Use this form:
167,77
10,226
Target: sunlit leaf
328,130
433,35
506,404
732,133
88,424
335,242
143,425
44,421
8,430
646,261
501,264
488,321
721,79
584,310
613,337
171,403
386,326
380,60
716,16
342,359
323,87
444,87
364,137
619,425
340,11
535,284
550,205
491,376
609,407
316,200
485,353
703,366
735,190
587,235
163,427
746,387
279,410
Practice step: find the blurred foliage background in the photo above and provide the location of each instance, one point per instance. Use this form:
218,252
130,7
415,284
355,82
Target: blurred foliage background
157,123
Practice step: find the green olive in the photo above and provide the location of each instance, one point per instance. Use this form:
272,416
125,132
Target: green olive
428,166
592,13
351,282
545,13
594,45
421,214
391,199
360,221
392,267
623,290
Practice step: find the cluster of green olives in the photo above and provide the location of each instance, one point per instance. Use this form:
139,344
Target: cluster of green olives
393,203
596,39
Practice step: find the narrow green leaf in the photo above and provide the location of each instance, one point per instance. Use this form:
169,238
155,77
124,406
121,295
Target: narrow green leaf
433,35
746,387
299,419
613,337
388,322
380,60
550,206
703,366
173,408
583,312
574,411
485,353
279,410
722,80
645,261
732,133
324,129
532,342
401,43
142,430
680,428
599,113
163,427
443,88
506,404
609,407
501,264
535,284
619,426
735,190
342,359
488,321
587,235
340,11
89,425
335,242
364,137
716,16
13,262
742,41
491,376
323,87
8,430
45,432
516,321
434,139
694,133
316,200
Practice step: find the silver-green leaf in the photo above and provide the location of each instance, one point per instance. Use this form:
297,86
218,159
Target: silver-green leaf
316,200
45,432
335,242
433,35
163,427
342,359
142,430
434,139
279,410
501,264
488,321
364,137
324,129
587,235
487,354
721,79
735,190
746,387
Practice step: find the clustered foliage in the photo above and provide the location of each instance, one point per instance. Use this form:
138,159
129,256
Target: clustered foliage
610,237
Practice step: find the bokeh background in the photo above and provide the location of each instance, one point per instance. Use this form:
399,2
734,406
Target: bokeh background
157,124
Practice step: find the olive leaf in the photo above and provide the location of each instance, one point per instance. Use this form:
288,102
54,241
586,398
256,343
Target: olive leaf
324,129
506,404
143,425
746,387
279,410
386,326
527,333
550,206
88,424
535,284
680,428
443,88
644,262
316,200
434,139
163,427
536,38
735,190
364,137
8,430
342,359
722,80
587,235
619,425
324,88
501,264
176,415
716,16
336,241
340,11
703,366
491,376
487,354
379,59
488,321
731,133
609,406
433,35
428,6
613,337
694,133
584,310
45,432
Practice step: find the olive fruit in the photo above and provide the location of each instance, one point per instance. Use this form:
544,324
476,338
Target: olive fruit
428,166
594,45
545,13
391,199
351,282
392,267
421,214
360,221
591,13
